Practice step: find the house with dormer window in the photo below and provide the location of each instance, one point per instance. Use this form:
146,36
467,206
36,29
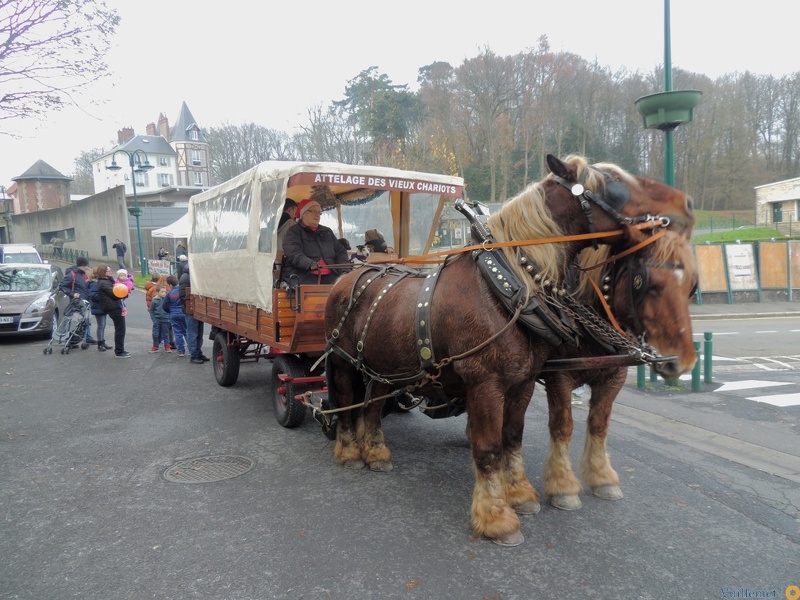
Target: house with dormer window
179,156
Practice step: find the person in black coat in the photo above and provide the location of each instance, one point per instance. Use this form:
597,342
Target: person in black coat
98,312
309,247
194,328
111,305
75,284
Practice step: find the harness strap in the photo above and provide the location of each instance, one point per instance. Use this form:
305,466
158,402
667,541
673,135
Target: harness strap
373,309
423,320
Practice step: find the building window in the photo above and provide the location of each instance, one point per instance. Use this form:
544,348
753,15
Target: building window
777,212
165,180
163,161
196,158
193,134
198,178
141,180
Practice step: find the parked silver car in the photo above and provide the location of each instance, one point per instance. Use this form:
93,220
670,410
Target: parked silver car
28,295
20,253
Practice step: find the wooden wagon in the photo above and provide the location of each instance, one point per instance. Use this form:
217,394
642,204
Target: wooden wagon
235,262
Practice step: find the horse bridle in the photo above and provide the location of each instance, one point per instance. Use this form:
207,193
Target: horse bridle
615,195
638,284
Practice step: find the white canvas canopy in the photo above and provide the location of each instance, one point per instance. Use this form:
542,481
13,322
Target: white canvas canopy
179,229
234,224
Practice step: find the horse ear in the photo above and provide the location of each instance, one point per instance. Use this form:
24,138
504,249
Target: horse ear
561,169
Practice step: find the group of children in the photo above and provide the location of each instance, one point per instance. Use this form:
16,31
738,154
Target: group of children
166,313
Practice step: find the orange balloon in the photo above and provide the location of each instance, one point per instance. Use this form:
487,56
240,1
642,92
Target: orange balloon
120,290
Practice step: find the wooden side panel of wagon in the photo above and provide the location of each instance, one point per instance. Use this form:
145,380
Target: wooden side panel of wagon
296,324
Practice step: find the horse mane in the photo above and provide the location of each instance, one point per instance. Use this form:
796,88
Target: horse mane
527,217
584,292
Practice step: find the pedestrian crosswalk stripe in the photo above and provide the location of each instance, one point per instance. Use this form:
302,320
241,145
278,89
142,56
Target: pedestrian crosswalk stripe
782,400
747,384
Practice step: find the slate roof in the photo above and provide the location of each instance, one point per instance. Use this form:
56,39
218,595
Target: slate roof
185,123
150,144
41,170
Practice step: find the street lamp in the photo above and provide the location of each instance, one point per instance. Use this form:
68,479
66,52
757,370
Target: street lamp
139,164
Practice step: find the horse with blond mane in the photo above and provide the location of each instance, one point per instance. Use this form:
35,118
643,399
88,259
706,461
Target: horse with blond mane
646,294
446,334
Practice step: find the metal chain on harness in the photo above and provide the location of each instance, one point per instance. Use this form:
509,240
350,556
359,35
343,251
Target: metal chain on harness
603,330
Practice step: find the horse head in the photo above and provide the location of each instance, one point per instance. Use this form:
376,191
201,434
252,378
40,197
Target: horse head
648,293
626,199
601,200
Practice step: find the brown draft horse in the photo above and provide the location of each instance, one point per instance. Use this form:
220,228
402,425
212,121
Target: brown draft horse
484,356
656,305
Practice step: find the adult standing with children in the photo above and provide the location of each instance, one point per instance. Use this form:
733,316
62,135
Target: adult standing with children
75,284
100,316
111,304
194,328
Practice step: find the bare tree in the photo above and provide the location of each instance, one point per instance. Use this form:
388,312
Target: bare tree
83,177
48,50
327,136
236,148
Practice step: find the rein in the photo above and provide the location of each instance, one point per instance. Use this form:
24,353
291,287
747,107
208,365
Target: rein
651,223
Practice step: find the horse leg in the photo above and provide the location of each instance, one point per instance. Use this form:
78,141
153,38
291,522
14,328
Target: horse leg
561,486
370,434
346,450
492,516
596,467
520,494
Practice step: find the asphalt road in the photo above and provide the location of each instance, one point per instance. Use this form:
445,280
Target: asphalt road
711,505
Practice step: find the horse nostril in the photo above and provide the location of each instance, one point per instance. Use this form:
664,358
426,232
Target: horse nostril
668,370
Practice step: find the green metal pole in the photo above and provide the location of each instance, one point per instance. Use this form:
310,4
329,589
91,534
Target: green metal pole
669,150
640,377
142,266
696,370
707,356
667,50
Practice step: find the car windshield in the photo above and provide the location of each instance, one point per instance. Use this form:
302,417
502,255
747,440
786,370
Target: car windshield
20,279
22,257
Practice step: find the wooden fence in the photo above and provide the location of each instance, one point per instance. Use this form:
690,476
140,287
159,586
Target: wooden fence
748,272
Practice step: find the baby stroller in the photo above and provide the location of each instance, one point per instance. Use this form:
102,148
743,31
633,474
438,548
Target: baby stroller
71,330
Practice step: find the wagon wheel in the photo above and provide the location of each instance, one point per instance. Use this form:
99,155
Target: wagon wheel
225,360
84,345
288,411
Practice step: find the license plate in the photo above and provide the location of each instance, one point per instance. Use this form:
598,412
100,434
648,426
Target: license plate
6,319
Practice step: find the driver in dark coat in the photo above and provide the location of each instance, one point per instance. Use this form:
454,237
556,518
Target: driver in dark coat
308,248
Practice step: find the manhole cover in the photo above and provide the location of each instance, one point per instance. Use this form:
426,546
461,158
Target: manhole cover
208,468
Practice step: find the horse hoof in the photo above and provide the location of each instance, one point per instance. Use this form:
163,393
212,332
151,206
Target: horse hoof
531,507
510,539
381,465
608,492
353,464
566,501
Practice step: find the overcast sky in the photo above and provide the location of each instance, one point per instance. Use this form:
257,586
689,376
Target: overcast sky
241,61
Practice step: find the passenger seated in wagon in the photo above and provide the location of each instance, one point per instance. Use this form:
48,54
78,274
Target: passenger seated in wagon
375,241
308,248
